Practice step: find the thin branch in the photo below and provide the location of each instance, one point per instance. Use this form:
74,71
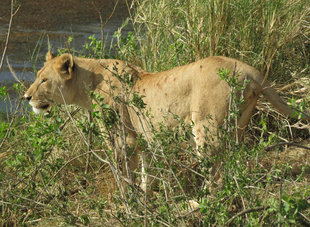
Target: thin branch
90,140
72,159
189,212
68,119
103,24
29,200
242,200
11,123
305,218
84,140
287,143
13,204
13,13
13,73
255,209
79,131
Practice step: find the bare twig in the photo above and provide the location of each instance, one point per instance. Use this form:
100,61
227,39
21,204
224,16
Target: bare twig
29,200
11,123
286,143
255,209
17,108
79,131
13,204
242,199
13,73
103,24
13,13
68,119
112,13
72,159
280,201
114,170
189,212
305,218
90,139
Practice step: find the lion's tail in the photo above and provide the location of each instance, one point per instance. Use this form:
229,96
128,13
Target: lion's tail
274,98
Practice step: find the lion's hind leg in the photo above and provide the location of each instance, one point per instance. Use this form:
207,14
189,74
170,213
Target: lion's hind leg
205,136
207,145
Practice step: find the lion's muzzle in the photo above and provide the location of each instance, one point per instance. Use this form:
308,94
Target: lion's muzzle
37,106
27,97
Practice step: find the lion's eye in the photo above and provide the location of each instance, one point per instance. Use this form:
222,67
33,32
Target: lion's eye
43,80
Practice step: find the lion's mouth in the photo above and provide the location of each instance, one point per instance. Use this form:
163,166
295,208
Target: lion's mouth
40,108
44,106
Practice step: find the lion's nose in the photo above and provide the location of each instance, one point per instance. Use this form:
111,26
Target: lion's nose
28,97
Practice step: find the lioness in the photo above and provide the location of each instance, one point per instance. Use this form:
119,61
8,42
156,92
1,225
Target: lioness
194,91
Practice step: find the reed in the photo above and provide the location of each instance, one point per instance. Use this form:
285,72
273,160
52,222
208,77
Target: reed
265,34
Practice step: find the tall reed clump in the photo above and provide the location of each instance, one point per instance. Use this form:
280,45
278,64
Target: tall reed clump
265,34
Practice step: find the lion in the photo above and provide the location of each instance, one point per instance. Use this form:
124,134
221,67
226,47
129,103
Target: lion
194,92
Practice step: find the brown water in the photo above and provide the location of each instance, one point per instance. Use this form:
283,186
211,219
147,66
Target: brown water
56,19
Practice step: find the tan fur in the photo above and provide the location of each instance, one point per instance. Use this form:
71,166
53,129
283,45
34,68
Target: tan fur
194,92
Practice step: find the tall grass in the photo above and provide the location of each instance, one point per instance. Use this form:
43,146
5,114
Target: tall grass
265,34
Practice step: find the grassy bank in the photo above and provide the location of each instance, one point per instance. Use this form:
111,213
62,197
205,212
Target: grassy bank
54,172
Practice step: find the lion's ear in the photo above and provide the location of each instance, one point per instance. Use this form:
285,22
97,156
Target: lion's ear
49,56
65,66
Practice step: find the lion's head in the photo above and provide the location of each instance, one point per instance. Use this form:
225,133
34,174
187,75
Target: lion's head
52,83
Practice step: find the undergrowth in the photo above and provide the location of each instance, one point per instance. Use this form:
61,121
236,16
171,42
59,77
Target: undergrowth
67,168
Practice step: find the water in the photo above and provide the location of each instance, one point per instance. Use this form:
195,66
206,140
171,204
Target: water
38,19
